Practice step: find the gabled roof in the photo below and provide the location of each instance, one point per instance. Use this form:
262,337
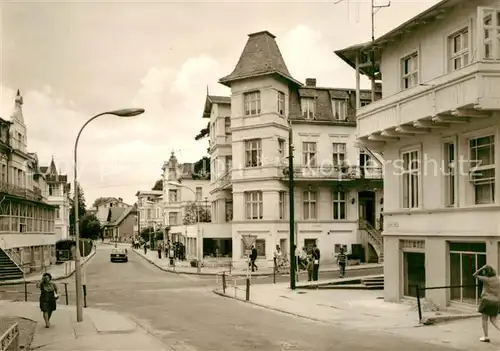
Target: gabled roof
261,56
118,215
214,99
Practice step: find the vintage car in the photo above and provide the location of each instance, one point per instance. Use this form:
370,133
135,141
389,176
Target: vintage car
119,255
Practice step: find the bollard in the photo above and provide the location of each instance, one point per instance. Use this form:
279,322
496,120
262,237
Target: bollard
274,271
25,291
224,282
66,292
418,304
85,296
248,290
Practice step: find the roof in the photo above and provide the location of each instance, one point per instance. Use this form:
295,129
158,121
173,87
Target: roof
434,12
214,99
261,56
118,214
149,192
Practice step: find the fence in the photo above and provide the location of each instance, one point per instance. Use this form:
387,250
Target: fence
419,289
29,292
9,341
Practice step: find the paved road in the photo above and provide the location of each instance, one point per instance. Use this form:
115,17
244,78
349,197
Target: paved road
182,311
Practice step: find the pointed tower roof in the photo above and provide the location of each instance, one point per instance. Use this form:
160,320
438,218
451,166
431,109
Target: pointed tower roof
52,167
18,110
261,56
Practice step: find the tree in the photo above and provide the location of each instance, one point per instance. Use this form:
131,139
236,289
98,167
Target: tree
158,185
192,214
203,133
201,168
81,209
90,228
101,200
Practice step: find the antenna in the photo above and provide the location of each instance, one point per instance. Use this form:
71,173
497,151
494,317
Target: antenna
375,9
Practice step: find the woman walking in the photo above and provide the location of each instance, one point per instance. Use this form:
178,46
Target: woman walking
48,297
489,305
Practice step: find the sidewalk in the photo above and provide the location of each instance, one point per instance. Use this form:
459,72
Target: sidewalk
58,271
365,310
183,267
100,330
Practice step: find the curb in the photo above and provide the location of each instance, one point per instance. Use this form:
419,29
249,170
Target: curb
219,293
17,282
239,274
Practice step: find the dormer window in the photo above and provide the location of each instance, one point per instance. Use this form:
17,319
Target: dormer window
308,108
489,19
252,103
339,110
281,103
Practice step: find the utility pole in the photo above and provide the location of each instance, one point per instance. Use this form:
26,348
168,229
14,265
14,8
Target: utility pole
291,206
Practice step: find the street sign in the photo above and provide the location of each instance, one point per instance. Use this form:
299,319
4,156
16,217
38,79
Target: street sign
248,241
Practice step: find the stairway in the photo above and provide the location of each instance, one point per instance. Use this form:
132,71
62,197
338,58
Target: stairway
8,269
374,238
374,283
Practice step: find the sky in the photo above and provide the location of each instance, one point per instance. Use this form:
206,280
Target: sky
74,59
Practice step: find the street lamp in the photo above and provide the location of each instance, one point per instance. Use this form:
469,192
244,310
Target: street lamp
198,239
129,112
291,188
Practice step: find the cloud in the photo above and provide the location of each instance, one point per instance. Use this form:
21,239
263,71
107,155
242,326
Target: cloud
117,157
308,55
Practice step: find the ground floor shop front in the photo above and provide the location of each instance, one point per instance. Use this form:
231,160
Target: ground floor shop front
445,264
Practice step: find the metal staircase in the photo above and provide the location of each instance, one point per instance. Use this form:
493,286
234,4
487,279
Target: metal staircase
374,238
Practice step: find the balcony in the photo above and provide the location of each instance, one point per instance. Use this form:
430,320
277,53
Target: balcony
34,195
458,97
224,182
330,173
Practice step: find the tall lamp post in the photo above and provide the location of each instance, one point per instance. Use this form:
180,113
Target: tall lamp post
291,186
130,112
198,233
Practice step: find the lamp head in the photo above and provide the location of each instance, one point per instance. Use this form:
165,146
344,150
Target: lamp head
174,183
127,112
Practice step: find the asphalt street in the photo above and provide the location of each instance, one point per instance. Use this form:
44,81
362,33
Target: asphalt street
185,315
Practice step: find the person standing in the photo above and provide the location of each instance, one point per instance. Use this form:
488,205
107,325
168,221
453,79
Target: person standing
489,305
316,254
341,261
310,268
48,297
159,249
253,258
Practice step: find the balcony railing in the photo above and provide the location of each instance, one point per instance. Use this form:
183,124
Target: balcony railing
35,194
225,180
330,172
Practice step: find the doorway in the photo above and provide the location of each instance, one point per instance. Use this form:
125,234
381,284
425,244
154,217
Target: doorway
414,273
366,200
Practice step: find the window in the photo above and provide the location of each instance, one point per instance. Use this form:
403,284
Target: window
459,49
229,210
339,110
199,193
482,177
281,103
409,71
253,149
411,177
310,205
252,103
260,246
339,205
212,132
308,108
227,125
339,154
450,174
253,204
173,218
282,205
309,153
215,211
173,196
489,18
3,174
281,149
465,259
58,213
365,103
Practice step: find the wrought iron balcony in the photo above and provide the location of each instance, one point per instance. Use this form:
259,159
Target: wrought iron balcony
35,194
337,173
225,180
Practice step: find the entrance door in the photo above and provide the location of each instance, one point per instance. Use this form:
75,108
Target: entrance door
414,273
366,201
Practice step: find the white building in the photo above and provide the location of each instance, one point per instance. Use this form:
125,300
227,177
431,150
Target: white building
437,125
336,184
101,211
150,209
58,195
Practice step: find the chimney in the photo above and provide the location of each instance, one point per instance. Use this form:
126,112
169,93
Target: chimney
311,82
120,199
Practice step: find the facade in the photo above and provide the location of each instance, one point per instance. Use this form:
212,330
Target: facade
338,187
150,209
58,195
437,125
120,224
27,228
191,199
102,211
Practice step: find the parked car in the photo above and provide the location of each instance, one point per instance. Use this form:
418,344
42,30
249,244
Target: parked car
119,255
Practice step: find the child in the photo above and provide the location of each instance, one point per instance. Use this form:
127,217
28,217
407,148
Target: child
310,268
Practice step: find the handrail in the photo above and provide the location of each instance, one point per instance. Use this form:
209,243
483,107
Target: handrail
10,336
12,255
372,232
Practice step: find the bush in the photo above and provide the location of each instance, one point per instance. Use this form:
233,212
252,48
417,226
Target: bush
64,249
